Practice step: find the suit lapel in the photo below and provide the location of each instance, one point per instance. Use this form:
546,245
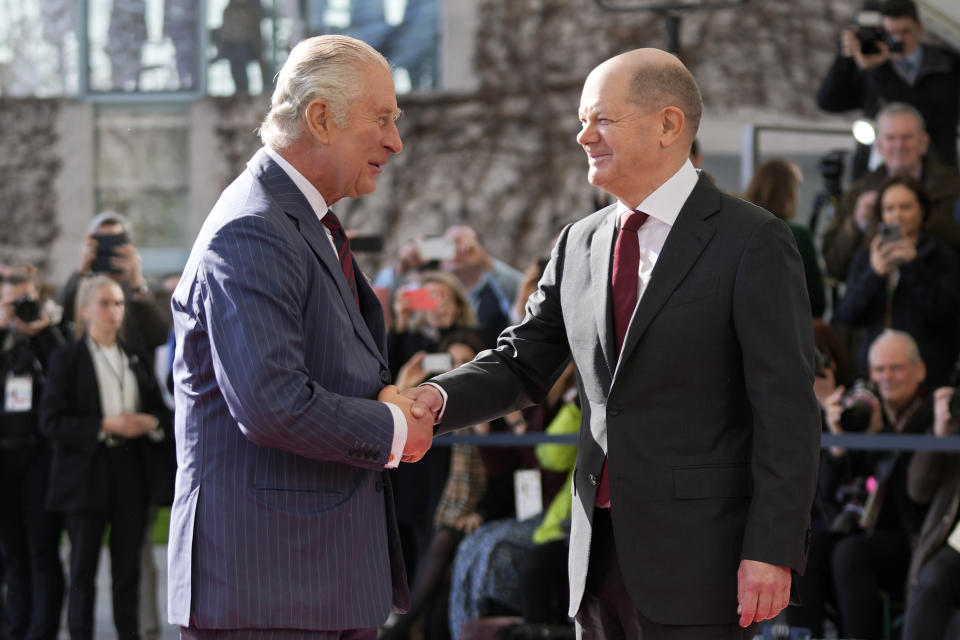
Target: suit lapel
601,256
295,205
686,241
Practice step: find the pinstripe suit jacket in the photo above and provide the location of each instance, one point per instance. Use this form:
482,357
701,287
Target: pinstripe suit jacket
283,516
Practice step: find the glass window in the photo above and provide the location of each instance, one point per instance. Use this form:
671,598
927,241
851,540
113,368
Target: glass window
142,46
38,48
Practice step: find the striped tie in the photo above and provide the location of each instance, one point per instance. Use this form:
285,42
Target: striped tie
342,243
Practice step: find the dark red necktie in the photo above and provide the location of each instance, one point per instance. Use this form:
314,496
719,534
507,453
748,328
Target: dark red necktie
342,243
625,280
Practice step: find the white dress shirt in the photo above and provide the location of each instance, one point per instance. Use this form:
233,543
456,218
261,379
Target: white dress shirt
320,209
663,206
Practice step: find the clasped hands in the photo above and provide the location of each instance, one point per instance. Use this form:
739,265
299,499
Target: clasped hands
420,406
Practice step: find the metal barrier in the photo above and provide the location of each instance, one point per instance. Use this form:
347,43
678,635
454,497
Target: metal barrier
876,442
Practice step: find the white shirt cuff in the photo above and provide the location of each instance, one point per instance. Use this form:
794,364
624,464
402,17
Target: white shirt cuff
399,436
443,407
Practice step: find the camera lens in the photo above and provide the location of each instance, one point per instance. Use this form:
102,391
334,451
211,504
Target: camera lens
26,308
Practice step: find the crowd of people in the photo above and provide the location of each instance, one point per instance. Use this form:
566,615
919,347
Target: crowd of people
87,430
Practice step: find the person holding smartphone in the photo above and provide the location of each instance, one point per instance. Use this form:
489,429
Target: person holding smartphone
905,278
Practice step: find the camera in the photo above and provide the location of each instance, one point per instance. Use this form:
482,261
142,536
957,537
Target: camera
106,245
27,308
870,31
889,233
852,496
859,403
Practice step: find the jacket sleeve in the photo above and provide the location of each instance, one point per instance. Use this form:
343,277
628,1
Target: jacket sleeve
249,296
528,359
864,289
933,287
843,87
771,316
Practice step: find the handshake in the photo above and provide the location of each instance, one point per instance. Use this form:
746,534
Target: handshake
420,406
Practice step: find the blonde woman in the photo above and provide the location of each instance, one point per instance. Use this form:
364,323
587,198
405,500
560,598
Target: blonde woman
103,411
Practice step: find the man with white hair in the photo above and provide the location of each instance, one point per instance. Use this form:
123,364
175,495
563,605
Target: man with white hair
902,142
283,522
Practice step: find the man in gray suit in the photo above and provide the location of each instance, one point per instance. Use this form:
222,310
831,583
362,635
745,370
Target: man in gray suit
686,315
283,521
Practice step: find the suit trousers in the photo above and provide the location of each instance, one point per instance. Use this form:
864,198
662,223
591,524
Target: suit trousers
608,613
192,633
127,517
30,542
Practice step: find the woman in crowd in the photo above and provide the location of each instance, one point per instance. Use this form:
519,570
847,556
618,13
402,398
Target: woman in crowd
905,279
425,313
774,187
103,411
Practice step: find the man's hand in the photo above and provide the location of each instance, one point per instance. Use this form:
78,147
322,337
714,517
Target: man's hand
942,423
427,401
850,46
419,429
88,251
863,210
763,591
126,259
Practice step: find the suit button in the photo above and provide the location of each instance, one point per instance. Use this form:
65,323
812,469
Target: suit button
593,479
614,411
384,376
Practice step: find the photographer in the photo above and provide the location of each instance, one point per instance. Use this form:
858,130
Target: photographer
902,142
934,578
875,67
906,279
29,535
876,517
108,248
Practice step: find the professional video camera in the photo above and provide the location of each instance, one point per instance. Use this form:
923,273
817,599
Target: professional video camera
870,31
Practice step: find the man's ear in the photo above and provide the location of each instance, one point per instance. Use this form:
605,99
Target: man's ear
672,122
319,120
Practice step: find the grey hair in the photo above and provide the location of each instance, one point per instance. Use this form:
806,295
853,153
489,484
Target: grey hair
913,351
901,108
321,67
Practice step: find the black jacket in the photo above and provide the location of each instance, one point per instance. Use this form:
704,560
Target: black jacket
925,304
25,356
71,419
935,93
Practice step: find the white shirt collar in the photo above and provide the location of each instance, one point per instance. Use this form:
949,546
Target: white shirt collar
317,203
665,203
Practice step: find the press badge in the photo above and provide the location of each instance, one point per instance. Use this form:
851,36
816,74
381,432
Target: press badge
19,394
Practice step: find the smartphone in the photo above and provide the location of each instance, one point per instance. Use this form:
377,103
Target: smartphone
369,244
106,243
437,362
419,299
437,249
889,233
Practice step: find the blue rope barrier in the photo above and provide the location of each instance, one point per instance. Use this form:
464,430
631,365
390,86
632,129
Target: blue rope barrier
875,442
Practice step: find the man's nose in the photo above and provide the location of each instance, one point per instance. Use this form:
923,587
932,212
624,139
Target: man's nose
393,141
588,134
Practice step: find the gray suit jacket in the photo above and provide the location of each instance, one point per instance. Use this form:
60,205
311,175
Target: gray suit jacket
283,516
708,415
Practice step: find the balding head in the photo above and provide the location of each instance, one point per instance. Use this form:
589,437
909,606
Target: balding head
657,79
640,112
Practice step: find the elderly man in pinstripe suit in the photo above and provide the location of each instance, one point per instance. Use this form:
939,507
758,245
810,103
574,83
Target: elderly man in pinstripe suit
283,523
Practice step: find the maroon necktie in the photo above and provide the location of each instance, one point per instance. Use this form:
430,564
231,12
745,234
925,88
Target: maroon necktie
625,281
340,241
